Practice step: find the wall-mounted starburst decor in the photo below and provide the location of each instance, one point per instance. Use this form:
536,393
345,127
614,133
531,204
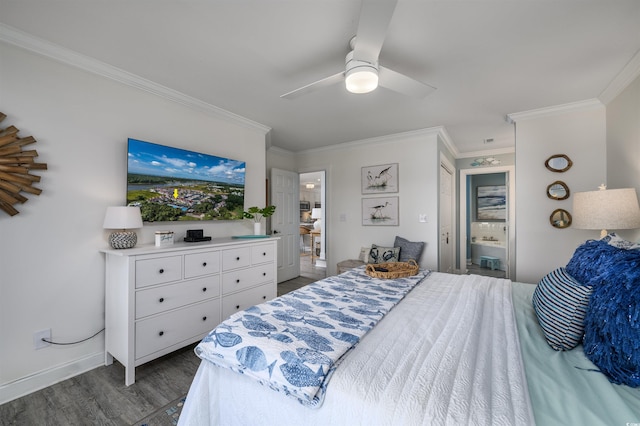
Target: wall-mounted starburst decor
16,163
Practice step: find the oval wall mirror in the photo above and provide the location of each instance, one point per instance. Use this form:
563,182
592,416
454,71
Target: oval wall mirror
558,190
560,218
558,163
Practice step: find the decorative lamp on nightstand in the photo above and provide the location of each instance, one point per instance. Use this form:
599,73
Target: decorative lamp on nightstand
122,218
606,209
316,213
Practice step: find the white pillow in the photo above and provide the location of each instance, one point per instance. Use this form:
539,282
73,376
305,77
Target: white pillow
379,254
364,254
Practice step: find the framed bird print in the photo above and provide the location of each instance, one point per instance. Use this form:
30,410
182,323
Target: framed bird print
380,179
381,211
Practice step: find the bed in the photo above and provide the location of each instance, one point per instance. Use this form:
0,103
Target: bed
455,349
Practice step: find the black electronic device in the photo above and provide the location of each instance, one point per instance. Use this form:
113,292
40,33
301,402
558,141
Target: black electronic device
195,235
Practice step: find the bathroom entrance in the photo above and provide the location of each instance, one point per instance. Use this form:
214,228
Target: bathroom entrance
486,221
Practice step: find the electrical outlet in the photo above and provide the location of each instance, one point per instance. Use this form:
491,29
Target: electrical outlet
38,343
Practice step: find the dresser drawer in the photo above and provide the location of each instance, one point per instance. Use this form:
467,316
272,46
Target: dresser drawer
158,270
156,333
171,296
239,301
236,258
199,264
245,278
262,254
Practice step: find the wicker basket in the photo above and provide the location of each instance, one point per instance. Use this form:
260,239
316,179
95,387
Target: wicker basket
393,269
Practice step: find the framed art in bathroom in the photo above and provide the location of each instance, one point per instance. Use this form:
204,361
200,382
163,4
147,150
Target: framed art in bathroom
491,202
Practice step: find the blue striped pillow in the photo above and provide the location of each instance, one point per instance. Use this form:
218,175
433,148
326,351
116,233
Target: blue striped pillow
561,303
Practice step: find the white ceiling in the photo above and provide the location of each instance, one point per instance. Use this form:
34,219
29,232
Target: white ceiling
486,58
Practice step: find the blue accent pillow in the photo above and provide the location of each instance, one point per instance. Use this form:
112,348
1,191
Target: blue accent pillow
590,260
612,323
560,303
409,249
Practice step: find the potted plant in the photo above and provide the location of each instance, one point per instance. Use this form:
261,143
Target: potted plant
257,214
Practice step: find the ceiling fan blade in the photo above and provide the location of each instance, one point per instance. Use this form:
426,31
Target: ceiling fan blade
400,83
375,16
336,78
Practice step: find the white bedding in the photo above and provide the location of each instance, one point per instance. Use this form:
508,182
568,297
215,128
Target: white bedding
294,343
448,354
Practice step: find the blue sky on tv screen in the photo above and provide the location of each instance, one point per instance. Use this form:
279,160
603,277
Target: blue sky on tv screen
152,159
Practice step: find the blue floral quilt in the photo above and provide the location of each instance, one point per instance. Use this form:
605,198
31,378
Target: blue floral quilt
293,343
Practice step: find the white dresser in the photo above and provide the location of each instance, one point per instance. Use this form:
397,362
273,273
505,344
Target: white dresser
159,299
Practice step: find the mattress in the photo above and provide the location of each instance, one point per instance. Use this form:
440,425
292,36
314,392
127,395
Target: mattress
565,387
448,354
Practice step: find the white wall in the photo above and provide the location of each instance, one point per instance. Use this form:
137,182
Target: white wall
578,131
623,144
417,155
52,275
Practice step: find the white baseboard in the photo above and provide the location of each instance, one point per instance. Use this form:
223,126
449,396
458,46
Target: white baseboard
48,377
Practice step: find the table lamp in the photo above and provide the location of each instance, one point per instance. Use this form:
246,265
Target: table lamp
606,209
122,218
316,213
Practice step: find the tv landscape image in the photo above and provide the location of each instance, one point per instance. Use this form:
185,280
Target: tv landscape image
172,184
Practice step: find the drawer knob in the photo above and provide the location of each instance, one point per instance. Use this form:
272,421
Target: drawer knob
264,274
264,254
204,264
238,258
161,271
204,289
237,281
161,299
264,297
237,306
161,333
204,318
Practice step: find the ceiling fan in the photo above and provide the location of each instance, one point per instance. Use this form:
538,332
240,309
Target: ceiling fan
362,72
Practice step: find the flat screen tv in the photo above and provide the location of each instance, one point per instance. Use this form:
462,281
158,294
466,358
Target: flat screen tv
173,184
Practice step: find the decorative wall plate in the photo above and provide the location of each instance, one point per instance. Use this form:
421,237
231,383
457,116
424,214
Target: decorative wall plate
560,218
558,163
15,167
558,190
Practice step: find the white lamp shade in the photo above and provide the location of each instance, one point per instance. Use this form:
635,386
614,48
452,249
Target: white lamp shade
316,213
606,209
122,217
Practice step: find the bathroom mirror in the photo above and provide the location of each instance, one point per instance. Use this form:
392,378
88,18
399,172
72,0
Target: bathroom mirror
558,190
560,218
558,163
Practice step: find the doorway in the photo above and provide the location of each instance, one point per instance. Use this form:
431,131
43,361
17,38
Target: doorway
312,218
487,221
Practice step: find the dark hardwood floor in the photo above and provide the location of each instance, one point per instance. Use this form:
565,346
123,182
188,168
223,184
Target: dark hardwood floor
99,396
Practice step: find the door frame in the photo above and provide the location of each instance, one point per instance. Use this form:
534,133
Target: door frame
322,260
444,162
510,172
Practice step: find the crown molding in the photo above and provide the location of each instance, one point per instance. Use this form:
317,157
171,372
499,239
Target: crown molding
448,142
629,73
378,140
280,151
486,153
555,110
69,57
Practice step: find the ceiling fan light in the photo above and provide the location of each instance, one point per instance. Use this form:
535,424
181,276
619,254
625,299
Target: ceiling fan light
361,79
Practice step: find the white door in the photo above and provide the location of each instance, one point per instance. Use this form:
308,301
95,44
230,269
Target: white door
285,222
445,263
